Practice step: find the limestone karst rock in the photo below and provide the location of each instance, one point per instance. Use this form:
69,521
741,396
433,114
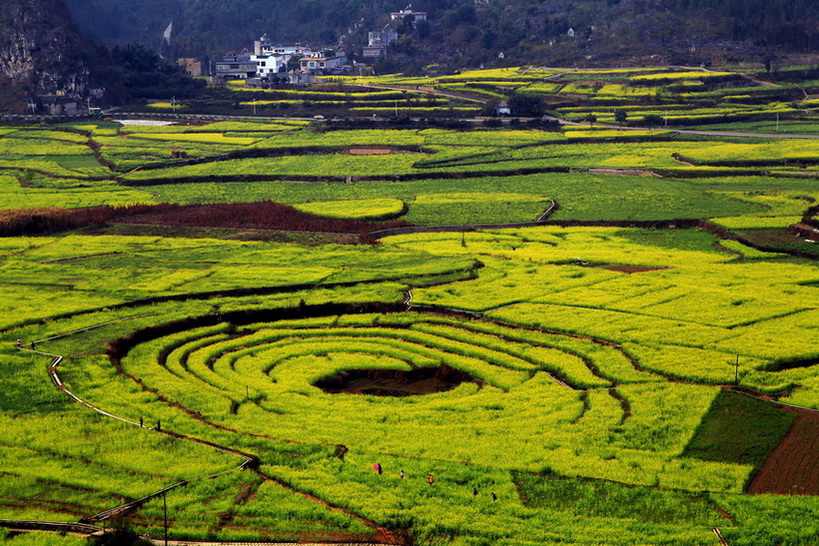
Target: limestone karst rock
42,55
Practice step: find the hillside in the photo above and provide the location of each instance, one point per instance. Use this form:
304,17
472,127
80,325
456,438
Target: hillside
468,33
42,54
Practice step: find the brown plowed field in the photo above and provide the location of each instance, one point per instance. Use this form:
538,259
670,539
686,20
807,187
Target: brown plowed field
793,467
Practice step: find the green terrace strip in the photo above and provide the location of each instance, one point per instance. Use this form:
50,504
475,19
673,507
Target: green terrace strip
365,209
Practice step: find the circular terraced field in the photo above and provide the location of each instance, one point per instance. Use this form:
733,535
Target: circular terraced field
375,374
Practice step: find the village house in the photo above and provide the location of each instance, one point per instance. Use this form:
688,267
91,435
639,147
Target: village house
323,62
378,41
237,66
267,61
272,59
60,105
418,15
191,65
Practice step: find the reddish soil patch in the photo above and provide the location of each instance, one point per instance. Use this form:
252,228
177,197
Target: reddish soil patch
620,268
632,268
805,231
265,215
371,150
793,467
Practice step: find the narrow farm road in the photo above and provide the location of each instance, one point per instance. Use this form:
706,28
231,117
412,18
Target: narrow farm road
211,543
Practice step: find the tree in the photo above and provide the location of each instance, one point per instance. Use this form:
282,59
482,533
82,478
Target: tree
526,105
409,22
293,63
488,38
591,119
652,120
147,75
422,27
620,117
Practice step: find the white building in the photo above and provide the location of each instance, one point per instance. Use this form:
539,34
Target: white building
271,59
381,37
378,41
238,66
264,47
419,15
322,62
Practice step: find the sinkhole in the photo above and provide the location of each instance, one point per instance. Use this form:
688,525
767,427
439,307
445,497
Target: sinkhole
384,382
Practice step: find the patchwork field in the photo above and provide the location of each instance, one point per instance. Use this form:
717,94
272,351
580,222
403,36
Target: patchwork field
404,334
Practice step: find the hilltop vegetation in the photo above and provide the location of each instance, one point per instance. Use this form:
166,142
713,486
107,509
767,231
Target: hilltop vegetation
462,34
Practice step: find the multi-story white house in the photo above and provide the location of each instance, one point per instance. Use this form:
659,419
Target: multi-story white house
267,61
378,41
419,15
322,62
238,66
271,59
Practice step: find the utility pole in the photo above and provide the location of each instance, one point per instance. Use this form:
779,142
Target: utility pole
736,372
254,107
173,104
777,122
165,505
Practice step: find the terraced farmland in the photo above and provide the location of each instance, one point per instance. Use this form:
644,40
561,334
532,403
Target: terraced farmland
464,336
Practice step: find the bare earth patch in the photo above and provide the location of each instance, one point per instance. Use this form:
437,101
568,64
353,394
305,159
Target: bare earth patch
793,467
371,150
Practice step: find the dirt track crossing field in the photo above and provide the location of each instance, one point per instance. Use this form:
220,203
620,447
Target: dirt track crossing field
195,543
793,467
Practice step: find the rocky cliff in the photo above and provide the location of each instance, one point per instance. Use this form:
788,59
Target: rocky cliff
41,52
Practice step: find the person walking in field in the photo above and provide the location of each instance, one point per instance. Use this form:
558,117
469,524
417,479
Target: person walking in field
430,480
401,474
377,467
